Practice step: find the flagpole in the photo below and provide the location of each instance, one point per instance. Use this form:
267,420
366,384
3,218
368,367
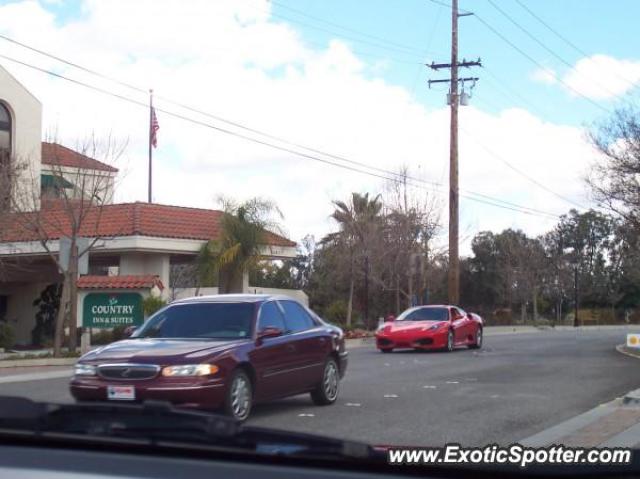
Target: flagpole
150,146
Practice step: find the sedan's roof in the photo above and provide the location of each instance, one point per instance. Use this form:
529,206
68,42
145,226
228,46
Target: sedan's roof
233,298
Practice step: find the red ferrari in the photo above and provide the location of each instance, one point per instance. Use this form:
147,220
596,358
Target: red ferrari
431,327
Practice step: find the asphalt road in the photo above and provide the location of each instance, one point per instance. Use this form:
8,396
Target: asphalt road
516,386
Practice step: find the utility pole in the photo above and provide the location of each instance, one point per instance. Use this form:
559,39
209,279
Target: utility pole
454,100
576,321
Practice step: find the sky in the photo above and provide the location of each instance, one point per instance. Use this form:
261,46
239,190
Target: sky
346,78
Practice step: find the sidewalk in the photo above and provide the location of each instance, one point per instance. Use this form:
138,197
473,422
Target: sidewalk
614,424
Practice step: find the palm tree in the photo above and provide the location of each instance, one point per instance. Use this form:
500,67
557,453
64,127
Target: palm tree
358,221
244,233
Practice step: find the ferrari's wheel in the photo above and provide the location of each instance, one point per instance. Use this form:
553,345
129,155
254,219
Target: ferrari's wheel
450,342
386,350
327,391
478,343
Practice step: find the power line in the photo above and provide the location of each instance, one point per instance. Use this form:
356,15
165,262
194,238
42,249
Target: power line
473,196
566,40
252,130
543,45
522,173
381,45
345,28
535,62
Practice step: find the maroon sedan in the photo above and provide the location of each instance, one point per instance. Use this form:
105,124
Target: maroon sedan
219,352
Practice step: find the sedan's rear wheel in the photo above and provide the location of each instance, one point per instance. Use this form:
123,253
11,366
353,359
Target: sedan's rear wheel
327,391
239,396
478,342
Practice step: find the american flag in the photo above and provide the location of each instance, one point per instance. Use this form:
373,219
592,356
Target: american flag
155,126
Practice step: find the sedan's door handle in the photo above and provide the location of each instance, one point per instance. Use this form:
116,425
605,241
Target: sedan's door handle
323,340
290,348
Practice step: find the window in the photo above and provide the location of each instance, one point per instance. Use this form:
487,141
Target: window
457,313
296,318
5,129
270,317
425,314
200,320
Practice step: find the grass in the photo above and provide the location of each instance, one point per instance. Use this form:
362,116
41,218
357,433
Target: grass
17,357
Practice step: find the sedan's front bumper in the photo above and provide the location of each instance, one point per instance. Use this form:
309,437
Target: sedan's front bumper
193,393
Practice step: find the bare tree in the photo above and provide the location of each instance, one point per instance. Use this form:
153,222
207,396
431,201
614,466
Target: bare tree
70,206
615,180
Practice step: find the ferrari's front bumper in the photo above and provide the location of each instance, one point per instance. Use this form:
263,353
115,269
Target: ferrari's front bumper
421,340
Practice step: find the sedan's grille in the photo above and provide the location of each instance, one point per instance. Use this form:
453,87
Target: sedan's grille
128,371
384,342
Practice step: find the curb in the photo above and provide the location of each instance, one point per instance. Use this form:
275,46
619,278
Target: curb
621,348
16,363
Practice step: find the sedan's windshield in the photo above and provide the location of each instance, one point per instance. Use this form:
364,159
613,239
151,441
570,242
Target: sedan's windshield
200,320
424,314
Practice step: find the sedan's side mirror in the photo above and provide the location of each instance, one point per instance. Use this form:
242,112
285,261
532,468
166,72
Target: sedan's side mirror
128,331
269,332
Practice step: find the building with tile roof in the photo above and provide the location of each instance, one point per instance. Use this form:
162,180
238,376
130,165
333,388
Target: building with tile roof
135,246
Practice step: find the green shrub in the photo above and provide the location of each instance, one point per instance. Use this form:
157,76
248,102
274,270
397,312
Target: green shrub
151,304
101,337
336,312
7,335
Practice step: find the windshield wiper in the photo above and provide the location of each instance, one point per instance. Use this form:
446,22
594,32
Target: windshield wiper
159,423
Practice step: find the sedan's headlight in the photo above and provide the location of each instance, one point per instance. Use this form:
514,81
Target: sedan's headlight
190,370
84,370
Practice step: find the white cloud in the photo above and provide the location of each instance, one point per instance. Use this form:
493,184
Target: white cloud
602,77
230,58
545,75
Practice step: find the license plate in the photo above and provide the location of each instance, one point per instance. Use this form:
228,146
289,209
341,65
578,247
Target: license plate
125,393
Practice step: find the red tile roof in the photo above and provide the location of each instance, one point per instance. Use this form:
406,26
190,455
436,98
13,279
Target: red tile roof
123,219
58,155
142,281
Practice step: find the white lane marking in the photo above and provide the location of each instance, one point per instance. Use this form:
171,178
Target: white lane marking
453,382
391,395
401,362
429,387
306,415
387,364
353,404
494,396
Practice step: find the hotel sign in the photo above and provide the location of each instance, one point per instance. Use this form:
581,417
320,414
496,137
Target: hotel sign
107,310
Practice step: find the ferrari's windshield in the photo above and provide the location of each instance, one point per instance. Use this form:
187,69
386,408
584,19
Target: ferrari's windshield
200,320
424,314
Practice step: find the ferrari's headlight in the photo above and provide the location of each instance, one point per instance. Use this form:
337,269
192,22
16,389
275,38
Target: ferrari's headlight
190,370
434,327
84,370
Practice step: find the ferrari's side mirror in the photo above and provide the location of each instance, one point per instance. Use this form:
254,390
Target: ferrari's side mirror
390,318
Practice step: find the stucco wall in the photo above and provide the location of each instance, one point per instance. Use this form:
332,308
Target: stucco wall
21,314
26,116
147,263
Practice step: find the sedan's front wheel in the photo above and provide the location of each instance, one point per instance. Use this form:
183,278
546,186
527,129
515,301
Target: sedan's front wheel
327,391
239,396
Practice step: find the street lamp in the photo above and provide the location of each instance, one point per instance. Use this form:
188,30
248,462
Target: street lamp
574,263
